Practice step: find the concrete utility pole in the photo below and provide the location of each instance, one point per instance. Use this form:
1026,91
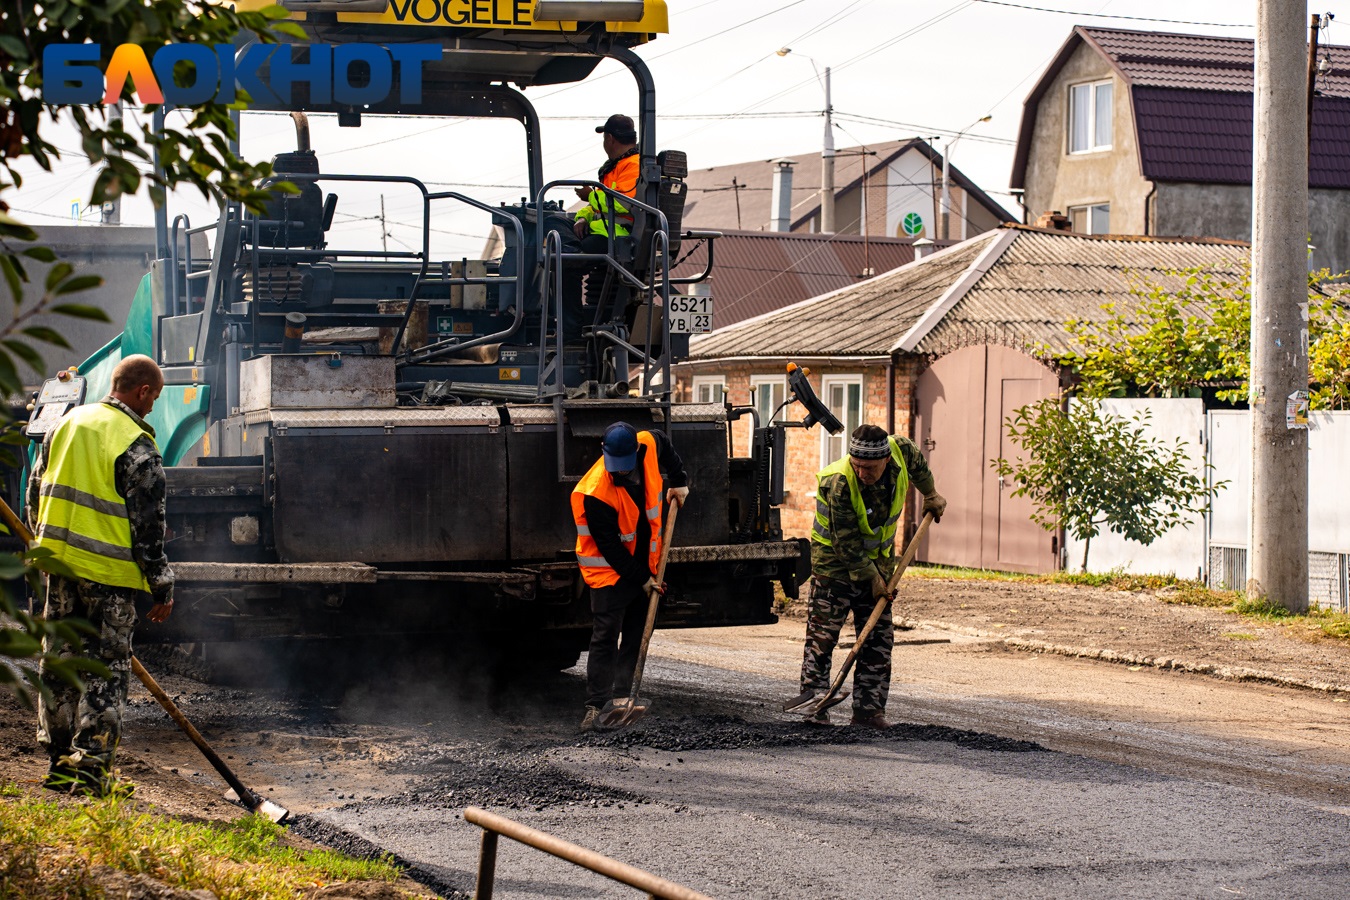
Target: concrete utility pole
384,228
112,210
1278,537
827,165
946,177
826,153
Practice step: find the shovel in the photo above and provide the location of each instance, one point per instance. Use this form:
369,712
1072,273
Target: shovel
249,800
807,702
629,710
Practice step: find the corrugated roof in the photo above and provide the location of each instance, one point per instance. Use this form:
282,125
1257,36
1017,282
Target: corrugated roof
712,201
866,319
1046,278
760,271
1030,286
1192,100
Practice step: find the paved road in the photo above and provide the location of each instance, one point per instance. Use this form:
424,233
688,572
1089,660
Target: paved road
1009,775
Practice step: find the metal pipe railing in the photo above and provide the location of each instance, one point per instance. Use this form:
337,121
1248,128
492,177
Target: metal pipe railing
494,825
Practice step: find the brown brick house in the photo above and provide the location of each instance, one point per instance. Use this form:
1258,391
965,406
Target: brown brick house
940,350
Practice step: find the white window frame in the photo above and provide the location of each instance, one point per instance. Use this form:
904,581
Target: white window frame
718,384
756,382
826,439
1087,209
1092,146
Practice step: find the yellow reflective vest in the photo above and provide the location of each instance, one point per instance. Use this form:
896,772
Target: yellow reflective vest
878,543
81,518
622,176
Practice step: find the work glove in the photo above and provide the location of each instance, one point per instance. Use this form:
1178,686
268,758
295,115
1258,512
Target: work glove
936,504
676,495
653,585
879,587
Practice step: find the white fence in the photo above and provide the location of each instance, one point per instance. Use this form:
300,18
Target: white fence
1215,549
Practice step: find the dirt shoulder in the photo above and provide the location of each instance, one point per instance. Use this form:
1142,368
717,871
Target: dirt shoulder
1131,627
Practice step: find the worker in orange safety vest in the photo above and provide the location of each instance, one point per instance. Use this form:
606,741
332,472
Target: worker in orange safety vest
617,509
592,223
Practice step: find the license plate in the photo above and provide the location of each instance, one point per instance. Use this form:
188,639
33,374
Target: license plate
691,315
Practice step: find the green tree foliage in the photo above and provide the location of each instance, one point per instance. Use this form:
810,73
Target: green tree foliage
1088,469
193,151
1197,332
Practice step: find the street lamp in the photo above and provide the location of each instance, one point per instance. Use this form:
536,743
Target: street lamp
827,154
946,185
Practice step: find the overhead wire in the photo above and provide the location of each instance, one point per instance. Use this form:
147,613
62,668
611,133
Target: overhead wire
1080,14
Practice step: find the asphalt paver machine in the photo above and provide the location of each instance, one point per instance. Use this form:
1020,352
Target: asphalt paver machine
367,441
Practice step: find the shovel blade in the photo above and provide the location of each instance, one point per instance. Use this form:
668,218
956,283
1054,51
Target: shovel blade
809,702
624,712
265,808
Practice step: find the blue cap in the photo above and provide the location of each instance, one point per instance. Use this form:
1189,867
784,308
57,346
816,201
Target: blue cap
620,446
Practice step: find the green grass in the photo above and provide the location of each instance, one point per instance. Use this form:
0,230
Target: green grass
47,850
1170,589
962,574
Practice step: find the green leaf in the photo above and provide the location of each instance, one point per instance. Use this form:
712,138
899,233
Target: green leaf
12,277
14,47
81,311
58,273
291,29
12,227
9,376
25,353
41,254
46,335
80,283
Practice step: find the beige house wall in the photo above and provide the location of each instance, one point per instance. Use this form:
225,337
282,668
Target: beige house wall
803,445
1057,180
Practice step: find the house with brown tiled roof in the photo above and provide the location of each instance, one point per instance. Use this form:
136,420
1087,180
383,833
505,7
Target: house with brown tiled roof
942,350
893,187
1131,132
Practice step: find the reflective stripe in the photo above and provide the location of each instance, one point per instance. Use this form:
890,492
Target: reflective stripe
893,519
88,544
584,530
654,513
83,498
655,547
597,561
822,508
819,531
871,543
628,538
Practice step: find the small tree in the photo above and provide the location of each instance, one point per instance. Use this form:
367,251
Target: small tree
1088,469
194,153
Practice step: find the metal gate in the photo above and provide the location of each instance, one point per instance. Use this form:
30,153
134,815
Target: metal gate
962,401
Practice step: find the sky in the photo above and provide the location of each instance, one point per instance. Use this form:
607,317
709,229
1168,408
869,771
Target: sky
900,68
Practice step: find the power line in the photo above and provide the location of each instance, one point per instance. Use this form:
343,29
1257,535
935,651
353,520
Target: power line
922,129
1070,12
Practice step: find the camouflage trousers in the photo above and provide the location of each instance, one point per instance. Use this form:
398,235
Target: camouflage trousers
81,729
830,604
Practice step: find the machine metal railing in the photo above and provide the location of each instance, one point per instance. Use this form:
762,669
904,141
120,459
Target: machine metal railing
493,825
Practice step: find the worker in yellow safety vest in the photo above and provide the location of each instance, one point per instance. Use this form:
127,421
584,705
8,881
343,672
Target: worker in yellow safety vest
859,503
95,500
617,509
592,223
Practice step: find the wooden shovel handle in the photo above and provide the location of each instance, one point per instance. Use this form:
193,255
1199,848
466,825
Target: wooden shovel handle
882,603
653,602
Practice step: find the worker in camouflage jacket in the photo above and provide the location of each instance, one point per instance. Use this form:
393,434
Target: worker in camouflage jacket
859,501
95,500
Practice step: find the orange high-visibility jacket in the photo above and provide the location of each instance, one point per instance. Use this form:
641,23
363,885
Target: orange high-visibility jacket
622,177
598,484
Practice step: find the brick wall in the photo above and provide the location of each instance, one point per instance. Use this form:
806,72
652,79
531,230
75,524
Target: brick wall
803,445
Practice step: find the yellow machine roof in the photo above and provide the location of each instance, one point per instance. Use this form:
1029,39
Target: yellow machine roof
513,18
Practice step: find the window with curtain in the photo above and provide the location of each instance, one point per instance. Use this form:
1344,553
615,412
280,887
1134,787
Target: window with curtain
843,395
1090,116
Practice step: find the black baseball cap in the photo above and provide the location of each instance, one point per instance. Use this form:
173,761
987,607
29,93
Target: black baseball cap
621,127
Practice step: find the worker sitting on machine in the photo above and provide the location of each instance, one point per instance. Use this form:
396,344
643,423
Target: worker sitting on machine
591,227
